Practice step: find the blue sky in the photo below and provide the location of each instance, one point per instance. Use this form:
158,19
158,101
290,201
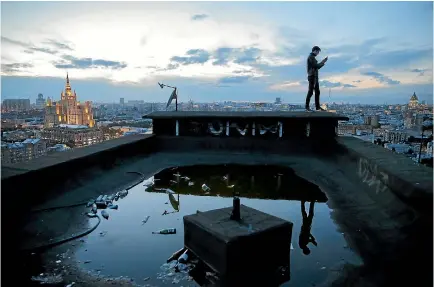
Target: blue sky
379,52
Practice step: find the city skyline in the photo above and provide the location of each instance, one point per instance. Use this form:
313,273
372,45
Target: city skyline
217,51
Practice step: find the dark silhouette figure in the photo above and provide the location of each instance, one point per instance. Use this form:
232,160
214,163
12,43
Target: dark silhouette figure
305,236
312,76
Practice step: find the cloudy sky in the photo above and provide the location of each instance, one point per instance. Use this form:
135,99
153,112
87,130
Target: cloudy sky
379,52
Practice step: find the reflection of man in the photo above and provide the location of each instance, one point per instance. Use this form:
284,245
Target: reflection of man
305,236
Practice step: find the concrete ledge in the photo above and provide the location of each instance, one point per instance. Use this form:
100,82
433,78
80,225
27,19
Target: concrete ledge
382,169
29,183
255,114
56,159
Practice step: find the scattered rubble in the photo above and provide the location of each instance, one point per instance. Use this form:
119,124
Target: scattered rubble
165,231
145,220
205,187
169,273
48,278
91,214
105,214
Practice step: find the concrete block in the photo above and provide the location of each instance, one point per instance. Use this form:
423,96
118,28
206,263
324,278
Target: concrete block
239,253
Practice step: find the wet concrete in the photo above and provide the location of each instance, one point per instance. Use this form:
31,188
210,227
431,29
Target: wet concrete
388,244
126,240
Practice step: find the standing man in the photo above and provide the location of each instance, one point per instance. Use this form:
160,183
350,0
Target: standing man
312,76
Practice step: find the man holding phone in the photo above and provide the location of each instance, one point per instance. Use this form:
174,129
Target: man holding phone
312,76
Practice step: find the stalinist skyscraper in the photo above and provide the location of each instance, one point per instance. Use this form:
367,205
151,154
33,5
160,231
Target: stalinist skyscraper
68,110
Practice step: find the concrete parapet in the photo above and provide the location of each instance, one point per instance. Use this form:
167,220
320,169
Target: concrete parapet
383,171
25,182
242,252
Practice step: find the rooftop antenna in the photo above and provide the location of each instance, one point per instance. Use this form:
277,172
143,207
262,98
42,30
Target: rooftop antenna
174,95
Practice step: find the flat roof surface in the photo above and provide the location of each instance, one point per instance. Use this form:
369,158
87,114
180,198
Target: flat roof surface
215,114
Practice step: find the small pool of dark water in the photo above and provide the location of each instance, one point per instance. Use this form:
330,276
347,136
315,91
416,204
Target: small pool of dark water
127,246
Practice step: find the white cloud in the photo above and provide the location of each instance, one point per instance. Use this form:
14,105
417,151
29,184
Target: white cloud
285,86
140,38
273,61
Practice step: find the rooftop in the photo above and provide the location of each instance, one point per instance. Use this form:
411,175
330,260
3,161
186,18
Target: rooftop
212,114
381,202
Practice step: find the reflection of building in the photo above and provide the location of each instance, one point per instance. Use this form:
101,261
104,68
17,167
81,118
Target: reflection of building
16,105
23,151
75,135
68,110
414,102
40,102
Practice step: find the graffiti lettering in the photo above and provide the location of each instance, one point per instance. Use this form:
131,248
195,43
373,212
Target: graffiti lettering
371,176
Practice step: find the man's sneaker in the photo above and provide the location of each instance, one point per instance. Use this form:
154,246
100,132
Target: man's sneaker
320,109
308,110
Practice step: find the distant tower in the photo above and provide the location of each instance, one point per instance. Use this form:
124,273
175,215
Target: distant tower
40,102
68,110
414,101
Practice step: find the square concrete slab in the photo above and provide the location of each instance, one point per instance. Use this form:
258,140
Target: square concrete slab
254,248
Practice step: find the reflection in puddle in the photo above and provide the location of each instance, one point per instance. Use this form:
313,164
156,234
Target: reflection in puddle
262,182
130,249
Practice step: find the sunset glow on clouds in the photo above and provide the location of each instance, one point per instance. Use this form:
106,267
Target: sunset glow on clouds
255,50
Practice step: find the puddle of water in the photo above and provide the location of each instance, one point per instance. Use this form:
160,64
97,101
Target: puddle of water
124,246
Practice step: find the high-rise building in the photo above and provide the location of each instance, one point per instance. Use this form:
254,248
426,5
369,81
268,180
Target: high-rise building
122,101
16,105
68,110
278,101
40,102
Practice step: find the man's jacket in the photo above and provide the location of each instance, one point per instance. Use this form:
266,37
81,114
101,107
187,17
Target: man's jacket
313,66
